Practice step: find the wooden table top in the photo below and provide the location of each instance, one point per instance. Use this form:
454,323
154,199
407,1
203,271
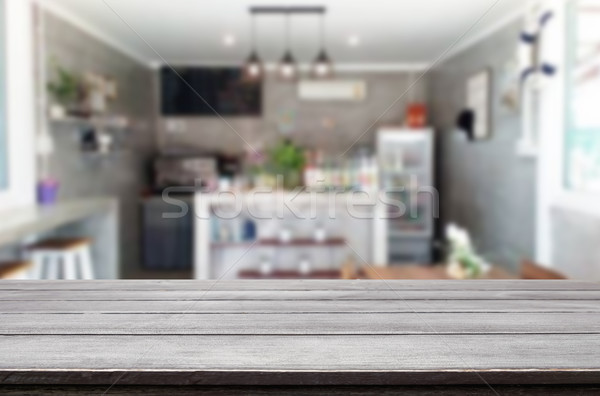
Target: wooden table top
420,272
275,333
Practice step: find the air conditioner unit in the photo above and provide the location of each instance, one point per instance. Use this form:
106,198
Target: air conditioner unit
333,90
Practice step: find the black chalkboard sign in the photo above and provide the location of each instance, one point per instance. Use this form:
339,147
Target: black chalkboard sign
201,91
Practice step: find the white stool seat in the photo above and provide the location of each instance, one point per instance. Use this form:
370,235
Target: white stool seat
62,259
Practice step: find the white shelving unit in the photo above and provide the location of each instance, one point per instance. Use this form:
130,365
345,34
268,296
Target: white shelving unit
406,178
347,235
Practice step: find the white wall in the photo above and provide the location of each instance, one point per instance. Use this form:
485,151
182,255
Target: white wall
20,105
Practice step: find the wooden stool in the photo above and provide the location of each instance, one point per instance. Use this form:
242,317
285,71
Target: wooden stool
15,270
72,254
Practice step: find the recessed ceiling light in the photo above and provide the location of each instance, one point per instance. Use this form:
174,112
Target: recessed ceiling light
353,40
229,40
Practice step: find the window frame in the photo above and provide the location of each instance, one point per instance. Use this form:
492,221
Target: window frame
19,105
552,191
568,198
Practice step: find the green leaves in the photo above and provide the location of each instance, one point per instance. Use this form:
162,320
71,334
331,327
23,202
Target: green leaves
65,88
285,157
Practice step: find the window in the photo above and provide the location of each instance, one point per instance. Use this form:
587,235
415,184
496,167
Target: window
17,105
3,134
582,140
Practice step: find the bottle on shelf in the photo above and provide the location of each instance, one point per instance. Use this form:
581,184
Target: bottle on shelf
249,230
327,170
373,174
336,175
347,174
225,233
348,270
309,169
215,232
319,179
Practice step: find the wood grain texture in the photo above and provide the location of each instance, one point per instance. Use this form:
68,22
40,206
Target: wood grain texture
301,324
288,333
60,244
304,306
295,295
456,390
298,353
426,272
240,285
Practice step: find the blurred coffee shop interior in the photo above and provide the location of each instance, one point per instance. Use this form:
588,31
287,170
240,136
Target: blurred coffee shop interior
323,139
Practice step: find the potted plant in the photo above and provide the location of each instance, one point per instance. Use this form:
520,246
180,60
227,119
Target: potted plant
287,160
64,91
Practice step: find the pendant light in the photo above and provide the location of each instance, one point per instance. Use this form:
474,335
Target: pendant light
322,66
287,66
253,69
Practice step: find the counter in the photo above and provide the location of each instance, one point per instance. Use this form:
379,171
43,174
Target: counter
353,217
96,218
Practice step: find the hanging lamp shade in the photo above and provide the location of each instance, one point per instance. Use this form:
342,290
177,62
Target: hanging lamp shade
253,68
287,66
322,67
287,69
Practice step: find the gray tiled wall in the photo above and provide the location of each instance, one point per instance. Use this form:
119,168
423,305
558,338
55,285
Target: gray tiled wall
347,120
484,185
121,174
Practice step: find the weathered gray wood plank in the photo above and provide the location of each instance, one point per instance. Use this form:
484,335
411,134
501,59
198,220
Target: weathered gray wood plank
425,379
290,333
296,353
296,295
299,324
302,306
311,390
265,285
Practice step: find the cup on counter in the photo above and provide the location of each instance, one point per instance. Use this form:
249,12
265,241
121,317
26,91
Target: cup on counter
320,234
47,191
105,142
265,267
224,184
304,267
285,235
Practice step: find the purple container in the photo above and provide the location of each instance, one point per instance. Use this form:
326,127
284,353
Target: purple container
47,192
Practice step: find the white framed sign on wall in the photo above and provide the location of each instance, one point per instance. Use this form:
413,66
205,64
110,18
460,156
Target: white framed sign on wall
479,101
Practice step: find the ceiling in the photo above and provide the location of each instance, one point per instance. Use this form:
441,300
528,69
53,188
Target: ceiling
391,32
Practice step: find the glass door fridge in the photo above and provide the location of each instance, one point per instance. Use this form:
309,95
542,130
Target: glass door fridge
407,186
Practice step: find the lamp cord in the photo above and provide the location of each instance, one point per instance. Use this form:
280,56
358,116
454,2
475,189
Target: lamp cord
287,31
253,33
322,32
